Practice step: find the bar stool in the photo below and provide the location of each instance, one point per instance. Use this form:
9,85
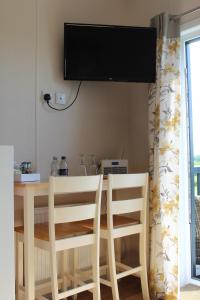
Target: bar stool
64,232
114,226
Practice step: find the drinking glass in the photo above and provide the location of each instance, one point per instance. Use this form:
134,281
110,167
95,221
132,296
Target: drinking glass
92,164
83,168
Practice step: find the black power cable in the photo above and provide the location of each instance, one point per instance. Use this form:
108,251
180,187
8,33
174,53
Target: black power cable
47,98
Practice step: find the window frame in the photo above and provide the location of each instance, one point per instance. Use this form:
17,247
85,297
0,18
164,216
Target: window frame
189,31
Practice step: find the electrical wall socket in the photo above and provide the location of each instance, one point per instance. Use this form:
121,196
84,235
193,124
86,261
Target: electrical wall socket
60,98
46,91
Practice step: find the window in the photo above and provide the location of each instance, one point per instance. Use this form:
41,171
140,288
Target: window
193,84
190,155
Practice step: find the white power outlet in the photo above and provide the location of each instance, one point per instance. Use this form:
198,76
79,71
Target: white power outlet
46,91
60,98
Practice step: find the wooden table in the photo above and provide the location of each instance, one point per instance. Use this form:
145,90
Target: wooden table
29,191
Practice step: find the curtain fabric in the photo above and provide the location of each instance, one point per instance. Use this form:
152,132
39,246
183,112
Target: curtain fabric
164,121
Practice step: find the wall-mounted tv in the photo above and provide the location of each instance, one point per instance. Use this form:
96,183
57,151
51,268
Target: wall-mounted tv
109,53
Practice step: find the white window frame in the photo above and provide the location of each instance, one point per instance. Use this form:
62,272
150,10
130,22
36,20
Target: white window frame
189,31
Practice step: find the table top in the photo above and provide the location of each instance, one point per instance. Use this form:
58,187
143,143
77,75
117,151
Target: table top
33,184
38,187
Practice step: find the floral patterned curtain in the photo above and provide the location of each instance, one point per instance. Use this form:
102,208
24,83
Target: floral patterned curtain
164,121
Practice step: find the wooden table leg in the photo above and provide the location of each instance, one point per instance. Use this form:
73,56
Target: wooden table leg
29,245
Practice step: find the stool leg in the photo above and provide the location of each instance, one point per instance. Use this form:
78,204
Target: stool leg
112,268
19,265
96,274
64,269
54,276
75,264
144,284
143,273
107,269
118,250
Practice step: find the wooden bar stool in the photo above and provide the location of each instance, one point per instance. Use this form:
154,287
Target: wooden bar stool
113,226
64,232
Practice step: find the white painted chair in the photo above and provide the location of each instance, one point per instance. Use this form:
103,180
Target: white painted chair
113,226
64,232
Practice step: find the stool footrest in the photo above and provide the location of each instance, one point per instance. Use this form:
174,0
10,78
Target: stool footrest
127,230
129,272
124,267
105,282
76,290
40,297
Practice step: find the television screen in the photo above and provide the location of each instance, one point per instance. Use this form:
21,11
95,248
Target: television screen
109,53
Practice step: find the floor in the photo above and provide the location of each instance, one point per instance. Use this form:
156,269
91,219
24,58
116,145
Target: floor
129,289
190,292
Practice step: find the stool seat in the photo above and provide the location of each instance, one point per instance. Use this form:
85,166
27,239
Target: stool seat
118,221
65,230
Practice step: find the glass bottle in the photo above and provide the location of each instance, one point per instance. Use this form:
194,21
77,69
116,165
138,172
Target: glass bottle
54,166
63,168
83,168
93,165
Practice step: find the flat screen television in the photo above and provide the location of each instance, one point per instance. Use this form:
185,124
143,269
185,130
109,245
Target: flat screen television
109,53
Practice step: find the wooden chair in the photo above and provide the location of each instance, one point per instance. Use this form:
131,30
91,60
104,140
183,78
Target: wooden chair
64,232
113,226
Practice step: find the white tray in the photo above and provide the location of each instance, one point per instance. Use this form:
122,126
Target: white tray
27,177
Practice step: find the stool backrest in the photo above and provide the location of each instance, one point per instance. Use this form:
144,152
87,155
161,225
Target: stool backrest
126,181
78,212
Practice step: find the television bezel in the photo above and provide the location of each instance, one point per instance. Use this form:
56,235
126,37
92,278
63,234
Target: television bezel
107,78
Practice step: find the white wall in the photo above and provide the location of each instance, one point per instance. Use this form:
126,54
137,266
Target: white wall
17,73
31,55
107,118
103,121
7,272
